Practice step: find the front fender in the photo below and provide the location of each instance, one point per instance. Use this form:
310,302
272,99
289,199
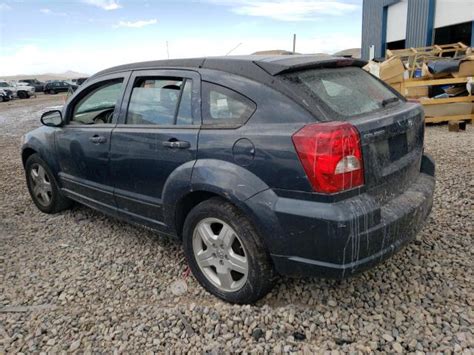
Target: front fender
41,140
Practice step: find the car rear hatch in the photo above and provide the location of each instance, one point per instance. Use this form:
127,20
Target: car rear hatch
391,130
392,147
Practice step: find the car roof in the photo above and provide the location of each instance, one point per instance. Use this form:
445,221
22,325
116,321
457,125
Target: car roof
248,65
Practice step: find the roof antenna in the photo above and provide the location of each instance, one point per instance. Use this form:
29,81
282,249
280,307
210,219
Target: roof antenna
237,46
167,50
294,43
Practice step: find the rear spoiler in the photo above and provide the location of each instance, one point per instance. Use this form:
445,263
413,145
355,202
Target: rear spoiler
288,64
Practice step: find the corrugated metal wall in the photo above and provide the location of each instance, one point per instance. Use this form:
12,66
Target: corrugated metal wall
420,23
372,26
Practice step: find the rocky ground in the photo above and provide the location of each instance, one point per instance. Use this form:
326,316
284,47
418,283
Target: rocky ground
80,281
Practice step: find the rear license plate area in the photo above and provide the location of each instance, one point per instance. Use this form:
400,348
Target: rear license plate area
398,146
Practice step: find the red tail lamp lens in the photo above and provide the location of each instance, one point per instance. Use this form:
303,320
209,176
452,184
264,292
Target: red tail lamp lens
331,156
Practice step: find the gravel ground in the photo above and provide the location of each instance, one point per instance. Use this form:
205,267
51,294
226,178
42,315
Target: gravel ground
80,281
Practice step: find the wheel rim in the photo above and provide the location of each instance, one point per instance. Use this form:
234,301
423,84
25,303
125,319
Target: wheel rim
220,254
41,185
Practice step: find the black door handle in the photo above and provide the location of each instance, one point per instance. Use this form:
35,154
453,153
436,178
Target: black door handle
175,144
96,139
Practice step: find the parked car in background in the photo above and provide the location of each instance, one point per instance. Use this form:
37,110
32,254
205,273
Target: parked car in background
81,81
19,90
56,86
259,166
23,90
5,95
38,85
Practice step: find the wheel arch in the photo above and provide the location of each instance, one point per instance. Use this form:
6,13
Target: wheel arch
41,141
209,179
26,153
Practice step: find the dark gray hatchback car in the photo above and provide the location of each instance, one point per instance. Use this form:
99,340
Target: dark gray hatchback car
293,165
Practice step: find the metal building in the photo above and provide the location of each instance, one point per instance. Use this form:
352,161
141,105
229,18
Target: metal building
397,24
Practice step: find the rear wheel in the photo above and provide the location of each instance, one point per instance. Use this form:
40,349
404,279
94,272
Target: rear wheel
43,187
52,92
225,253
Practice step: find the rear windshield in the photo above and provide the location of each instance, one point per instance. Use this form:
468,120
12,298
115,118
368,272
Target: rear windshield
343,92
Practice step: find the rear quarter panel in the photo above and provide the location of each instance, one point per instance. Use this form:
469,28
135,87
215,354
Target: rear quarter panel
273,158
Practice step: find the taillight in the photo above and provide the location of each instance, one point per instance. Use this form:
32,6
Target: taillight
331,156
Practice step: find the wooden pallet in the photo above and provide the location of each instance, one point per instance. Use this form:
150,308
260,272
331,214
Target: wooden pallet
440,119
410,83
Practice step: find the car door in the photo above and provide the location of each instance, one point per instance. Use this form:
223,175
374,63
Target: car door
157,133
83,143
64,86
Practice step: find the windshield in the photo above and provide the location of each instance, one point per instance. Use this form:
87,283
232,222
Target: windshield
343,92
4,85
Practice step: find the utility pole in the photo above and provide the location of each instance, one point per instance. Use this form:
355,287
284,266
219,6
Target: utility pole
233,49
294,43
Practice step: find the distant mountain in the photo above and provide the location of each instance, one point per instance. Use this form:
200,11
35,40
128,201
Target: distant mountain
274,52
353,52
48,76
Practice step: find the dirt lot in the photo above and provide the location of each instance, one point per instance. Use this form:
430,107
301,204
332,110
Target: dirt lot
82,281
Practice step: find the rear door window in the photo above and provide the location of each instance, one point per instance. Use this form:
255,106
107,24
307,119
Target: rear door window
222,106
160,101
343,92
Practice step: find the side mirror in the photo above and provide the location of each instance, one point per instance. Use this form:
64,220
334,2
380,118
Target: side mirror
52,118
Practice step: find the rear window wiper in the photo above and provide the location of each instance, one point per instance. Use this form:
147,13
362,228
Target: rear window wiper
390,100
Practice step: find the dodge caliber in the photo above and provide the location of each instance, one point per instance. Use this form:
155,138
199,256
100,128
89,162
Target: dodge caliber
260,166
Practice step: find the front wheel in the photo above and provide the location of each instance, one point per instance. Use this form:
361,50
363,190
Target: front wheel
225,253
22,95
43,187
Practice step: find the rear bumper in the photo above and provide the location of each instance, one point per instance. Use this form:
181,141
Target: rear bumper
337,240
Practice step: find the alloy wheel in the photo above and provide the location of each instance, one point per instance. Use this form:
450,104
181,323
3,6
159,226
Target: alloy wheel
220,254
41,185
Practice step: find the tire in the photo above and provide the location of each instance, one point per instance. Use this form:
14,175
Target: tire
252,275
1,98
22,95
52,92
44,185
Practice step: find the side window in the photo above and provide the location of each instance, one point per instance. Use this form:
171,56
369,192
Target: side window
185,116
160,101
222,106
98,105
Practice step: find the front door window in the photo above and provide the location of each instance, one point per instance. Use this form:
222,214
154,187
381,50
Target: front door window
98,106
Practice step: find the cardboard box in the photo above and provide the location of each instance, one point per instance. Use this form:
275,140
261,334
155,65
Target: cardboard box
397,86
416,92
466,68
452,109
391,70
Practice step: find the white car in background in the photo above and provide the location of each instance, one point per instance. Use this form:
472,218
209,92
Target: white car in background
19,89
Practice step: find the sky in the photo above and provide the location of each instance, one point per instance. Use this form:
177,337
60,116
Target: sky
39,36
